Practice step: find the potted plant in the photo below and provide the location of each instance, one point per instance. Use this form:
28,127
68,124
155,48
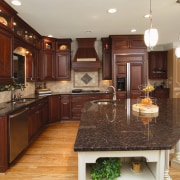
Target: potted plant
105,169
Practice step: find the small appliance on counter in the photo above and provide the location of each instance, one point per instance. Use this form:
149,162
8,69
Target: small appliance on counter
43,92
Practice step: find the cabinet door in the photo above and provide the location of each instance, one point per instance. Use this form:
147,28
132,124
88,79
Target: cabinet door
106,59
54,108
47,65
158,65
3,144
63,71
136,78
5,57
65,107
32,67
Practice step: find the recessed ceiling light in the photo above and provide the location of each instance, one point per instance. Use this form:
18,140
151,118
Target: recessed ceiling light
16,2
112,10
50,35
133,30
147,16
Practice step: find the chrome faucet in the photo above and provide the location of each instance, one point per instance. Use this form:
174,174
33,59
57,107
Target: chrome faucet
114,92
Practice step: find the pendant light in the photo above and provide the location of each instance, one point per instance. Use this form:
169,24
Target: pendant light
151,34
177,50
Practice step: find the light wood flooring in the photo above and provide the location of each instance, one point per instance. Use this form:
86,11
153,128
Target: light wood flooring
51,156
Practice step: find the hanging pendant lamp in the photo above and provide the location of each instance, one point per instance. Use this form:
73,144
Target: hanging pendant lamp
151,34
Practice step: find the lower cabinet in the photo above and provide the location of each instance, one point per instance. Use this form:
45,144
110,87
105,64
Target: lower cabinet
78,101
54,108
3,144
65,107
37,118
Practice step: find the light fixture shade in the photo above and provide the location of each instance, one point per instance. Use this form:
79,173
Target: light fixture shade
177,52
151,37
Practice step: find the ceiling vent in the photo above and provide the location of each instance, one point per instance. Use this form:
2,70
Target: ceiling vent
86,56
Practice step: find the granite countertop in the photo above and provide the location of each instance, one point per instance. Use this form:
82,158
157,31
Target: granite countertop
9,107
115,127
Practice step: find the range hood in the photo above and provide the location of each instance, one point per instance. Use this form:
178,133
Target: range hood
86,56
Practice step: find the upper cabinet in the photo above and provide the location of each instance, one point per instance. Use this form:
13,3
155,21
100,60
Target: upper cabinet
6,43
157,64
106,59
127,42
6,40
26,33
63,59
55,59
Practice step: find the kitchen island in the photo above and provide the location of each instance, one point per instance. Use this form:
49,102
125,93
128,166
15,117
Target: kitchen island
114,130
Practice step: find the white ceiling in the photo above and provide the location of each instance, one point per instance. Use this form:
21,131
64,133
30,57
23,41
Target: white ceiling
73,18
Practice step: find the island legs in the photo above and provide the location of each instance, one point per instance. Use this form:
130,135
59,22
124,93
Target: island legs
176,159
166,166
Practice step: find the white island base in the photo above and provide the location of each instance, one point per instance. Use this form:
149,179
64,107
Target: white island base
154,170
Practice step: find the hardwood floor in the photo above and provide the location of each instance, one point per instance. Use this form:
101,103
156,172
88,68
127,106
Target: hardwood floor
51,156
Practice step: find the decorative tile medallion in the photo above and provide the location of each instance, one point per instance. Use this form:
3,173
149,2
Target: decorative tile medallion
86,78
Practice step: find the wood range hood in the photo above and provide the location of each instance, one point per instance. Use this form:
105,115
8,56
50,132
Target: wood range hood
86,56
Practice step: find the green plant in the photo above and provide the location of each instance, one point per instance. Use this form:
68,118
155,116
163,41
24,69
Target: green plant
105,168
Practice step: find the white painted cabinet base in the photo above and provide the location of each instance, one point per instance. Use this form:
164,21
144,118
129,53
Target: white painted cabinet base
128,174
154,158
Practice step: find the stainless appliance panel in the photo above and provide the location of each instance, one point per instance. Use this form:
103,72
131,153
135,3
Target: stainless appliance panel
18,133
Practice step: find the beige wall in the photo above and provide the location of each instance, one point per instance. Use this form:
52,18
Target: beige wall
173,74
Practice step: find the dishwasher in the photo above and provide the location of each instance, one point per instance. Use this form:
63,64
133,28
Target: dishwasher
18,133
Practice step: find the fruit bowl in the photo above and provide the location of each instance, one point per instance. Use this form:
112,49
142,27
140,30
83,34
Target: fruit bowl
146,88
144,100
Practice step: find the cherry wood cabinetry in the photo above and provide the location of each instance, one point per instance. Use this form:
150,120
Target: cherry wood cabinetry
161,92
55,63
37,118
78,100
63,59
6,39
127,42
65,107
129,62
3,144
47,61
157,64
106,59
54,108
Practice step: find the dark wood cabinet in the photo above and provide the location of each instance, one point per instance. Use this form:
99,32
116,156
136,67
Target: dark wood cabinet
129,62
54,108
63,67
161,92
3,144
6,39
32,64
65,107
157,64
37,118
56,59
127,42
47,61
78,101
106,59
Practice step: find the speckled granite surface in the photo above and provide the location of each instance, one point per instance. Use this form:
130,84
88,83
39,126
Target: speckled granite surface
116,127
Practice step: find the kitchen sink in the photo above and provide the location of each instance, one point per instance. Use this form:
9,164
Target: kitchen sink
104,102
22,100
